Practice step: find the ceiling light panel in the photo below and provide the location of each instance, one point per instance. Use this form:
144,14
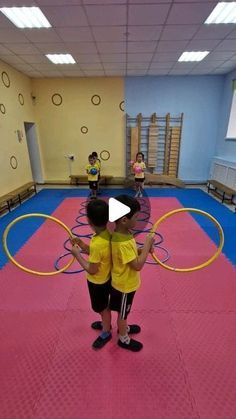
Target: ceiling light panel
26,17
61,58
193,55
223,13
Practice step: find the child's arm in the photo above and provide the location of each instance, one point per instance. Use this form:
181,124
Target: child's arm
91,268
76,240
150,251
138,263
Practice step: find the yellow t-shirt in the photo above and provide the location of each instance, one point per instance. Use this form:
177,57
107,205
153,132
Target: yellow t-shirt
124,250
98,163
92,178
142,166
100,252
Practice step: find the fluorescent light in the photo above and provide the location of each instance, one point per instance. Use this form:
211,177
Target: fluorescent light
26,17
61,58
193,55
223,13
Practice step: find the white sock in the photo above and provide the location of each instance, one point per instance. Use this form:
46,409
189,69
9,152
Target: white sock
125,339
128,329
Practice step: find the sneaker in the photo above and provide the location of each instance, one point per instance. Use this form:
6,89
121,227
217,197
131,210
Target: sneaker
133,345
136,195
97,325
133,328
100,342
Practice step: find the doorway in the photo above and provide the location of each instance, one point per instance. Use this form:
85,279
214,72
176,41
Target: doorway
34,153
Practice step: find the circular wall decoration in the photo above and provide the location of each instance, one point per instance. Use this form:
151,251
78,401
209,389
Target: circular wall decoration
56,99
96,100
5,79
122,105
13,162
84,130
21,99
105,155
2,108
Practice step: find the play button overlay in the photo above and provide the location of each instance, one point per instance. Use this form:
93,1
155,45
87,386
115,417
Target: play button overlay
117,209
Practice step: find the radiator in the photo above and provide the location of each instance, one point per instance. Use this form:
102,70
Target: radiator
224,172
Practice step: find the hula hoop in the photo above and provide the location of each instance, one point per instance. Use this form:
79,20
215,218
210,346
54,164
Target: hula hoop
23,268
202,265
107,155
167,257
66,272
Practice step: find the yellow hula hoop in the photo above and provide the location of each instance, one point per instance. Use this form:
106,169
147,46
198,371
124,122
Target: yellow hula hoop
23,268
202,265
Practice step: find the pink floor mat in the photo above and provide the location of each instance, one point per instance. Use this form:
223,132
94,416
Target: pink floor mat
186,369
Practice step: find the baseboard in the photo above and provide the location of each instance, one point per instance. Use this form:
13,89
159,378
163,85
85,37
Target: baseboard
56,182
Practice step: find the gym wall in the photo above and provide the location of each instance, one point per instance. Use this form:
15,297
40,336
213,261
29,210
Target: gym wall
15,107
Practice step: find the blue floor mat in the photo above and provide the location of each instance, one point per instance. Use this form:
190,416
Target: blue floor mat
47,200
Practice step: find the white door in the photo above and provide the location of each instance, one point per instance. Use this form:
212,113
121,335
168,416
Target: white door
34,153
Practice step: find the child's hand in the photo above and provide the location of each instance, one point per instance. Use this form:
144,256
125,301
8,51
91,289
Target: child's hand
152,249
75,240
149,242
75,250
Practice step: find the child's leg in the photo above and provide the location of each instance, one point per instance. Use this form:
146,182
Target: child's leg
99,189
124,340
94,193
94,190
141,188
99,296
122,326
95,187
90,189
106,320
137,189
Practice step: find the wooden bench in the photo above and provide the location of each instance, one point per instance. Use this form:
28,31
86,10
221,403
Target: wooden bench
83,180
219,189
5,202
16,196
23,191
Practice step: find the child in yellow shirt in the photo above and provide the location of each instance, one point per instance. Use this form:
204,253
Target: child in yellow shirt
139,176
127,261
98,163
98,266
92,169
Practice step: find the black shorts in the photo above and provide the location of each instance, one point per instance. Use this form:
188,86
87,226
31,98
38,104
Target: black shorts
121,302
99,295
138,179
93,185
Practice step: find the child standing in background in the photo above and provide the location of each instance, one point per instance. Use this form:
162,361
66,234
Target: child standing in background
92,170
98,162
139,177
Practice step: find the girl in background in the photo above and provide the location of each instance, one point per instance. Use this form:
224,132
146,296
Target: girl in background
139,176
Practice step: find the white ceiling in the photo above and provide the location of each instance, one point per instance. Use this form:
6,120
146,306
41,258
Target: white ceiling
119,38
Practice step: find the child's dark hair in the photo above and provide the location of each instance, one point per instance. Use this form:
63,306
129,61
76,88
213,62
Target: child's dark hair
140,153
94,154
97,212
90,156
131,202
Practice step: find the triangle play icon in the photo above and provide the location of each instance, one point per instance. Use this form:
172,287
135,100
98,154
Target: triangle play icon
117,209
